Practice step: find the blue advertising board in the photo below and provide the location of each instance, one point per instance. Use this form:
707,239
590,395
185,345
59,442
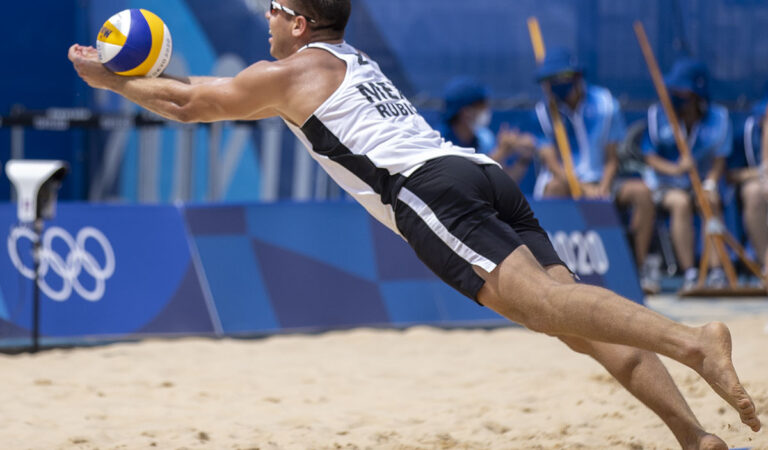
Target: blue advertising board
591,240
116,272
325,265
106,271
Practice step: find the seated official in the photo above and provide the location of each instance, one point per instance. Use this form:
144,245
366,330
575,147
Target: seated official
746,172
595,126
707,128
466,120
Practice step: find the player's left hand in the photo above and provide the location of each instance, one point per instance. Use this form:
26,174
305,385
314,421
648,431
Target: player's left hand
86,62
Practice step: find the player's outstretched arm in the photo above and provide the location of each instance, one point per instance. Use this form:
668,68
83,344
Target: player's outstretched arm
252,94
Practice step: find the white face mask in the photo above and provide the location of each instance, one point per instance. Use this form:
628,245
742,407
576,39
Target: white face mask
482,120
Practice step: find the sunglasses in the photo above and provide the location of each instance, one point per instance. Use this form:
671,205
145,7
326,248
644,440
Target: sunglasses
275,7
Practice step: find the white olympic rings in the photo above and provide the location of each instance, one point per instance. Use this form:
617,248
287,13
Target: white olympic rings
68,268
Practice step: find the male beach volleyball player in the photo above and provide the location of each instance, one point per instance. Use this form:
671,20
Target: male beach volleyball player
464,217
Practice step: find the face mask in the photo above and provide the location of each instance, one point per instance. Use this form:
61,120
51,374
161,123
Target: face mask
678,102
562,90
482,120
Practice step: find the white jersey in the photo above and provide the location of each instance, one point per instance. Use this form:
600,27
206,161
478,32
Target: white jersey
369,137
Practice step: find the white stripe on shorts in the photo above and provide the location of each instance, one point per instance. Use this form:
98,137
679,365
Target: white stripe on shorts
433,222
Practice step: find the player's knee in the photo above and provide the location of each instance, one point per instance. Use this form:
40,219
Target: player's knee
630,360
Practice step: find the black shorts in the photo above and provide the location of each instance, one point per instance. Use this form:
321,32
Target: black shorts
456,214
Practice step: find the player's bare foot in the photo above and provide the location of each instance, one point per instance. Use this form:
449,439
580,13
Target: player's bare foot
716,367
710,442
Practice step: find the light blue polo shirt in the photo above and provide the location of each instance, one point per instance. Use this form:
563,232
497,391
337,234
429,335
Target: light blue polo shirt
595,123
711,138
747,149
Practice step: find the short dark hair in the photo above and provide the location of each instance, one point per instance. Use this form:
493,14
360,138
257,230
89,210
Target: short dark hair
333,14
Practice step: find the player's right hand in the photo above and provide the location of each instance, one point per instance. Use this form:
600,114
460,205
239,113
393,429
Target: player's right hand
86,62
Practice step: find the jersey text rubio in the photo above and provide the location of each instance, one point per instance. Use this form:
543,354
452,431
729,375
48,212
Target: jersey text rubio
389,102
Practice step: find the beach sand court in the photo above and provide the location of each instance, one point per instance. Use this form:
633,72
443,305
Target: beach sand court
420,388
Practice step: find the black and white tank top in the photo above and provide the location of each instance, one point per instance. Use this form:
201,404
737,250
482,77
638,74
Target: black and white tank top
369,138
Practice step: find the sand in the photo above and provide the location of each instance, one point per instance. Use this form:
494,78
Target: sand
421,388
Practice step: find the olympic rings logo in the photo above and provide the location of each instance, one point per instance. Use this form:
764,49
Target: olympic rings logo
67,268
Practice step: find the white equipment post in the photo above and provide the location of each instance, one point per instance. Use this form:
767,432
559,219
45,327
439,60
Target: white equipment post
37,183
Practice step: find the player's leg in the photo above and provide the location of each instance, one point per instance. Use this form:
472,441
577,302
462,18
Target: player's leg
449,213
642,373
521,290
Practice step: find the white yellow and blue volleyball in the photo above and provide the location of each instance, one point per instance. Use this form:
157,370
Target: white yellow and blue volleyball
135,42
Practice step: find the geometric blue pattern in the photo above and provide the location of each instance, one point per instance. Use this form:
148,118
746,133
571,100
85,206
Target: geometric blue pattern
306,293
334,233
235,279
271,268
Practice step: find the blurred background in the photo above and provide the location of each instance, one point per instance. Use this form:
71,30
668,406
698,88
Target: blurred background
128,156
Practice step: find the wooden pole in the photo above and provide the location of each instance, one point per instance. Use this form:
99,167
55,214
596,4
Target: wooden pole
715,239
561,137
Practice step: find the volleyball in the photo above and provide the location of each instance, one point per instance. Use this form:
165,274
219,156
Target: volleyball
135,42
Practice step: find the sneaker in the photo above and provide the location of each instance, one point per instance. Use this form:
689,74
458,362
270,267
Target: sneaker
650,275
690,279
649,285
716,278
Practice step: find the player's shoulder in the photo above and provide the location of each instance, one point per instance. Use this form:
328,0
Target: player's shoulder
284,71
310,63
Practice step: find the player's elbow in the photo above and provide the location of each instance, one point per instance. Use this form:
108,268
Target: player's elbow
185,115
190,112
198,109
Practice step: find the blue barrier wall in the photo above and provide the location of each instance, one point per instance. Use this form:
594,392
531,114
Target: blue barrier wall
109,271
116,272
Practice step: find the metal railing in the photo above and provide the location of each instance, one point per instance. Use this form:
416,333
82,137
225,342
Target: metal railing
267,138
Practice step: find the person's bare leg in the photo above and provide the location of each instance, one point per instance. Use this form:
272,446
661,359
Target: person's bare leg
635,193
714,203
521,290
678,203
556,188
755,213
642,373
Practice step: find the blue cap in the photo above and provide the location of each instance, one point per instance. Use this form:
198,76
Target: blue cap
558,60
689,75
461,92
